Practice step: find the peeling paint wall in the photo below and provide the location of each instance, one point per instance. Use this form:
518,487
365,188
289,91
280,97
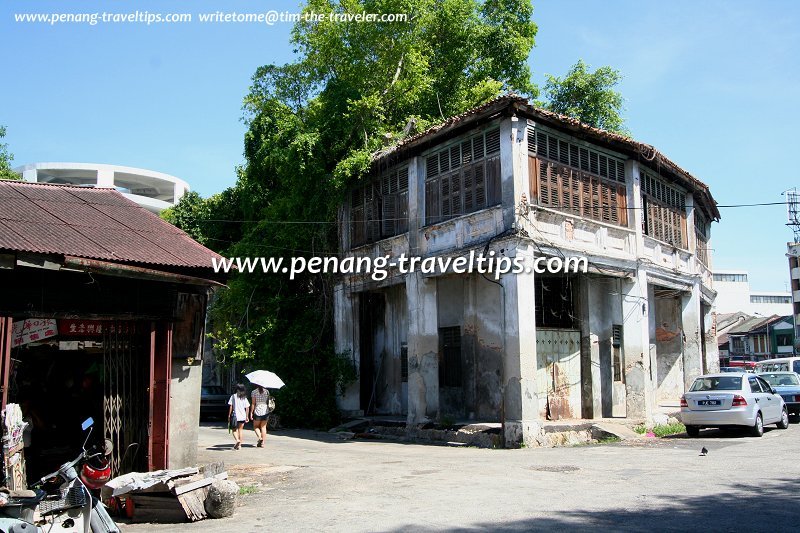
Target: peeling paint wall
668,340
388,394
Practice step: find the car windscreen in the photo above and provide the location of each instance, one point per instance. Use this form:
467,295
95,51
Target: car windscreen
717,383
781,379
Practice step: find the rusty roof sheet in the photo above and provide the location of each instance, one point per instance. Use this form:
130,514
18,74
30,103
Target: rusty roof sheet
513,103
93,224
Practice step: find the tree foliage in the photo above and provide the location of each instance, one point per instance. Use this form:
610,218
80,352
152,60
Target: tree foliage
5,159
313,126
588,96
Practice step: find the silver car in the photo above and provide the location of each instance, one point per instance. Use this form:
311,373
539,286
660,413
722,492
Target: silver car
732,399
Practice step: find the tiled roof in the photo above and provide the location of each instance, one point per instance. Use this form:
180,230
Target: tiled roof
93,224
515,103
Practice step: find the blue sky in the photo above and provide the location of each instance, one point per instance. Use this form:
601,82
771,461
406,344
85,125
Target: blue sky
714,85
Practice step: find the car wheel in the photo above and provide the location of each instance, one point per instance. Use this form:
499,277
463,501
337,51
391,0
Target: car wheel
758,428
692,431
784,423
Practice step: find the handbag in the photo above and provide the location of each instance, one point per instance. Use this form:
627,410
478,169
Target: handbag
271,403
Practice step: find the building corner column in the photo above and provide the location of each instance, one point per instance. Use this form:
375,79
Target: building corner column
423,350
636,347
692,335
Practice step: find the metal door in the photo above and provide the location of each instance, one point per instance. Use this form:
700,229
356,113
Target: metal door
125,409
558,373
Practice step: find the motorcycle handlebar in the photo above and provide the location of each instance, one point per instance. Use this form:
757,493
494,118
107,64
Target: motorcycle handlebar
65,466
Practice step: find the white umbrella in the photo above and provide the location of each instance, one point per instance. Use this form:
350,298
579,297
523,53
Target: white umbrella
265,378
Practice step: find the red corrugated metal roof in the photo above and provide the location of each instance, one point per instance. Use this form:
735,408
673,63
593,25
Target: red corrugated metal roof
91,223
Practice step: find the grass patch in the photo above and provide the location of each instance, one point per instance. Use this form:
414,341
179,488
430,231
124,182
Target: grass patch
661,431
609,440
247,489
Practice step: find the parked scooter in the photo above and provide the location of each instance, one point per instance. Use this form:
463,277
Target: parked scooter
73,507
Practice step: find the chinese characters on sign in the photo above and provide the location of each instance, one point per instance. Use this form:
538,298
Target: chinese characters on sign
88,328
33,329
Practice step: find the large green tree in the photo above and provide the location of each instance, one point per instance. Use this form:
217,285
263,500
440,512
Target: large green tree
313,126
5,159
590,97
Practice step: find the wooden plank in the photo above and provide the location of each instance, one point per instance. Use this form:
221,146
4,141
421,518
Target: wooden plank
188,487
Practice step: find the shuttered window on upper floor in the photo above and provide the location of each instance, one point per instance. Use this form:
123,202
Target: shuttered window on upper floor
379,209
463,178
701,232
664,209
569,177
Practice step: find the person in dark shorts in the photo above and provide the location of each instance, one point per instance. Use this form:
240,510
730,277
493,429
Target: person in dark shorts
259,412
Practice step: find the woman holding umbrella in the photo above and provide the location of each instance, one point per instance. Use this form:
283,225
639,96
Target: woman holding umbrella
259,413
259,407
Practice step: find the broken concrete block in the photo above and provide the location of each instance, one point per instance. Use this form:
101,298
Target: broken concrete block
221,499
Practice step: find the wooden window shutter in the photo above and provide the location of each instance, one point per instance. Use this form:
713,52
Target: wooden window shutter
469,189
389,218
533,178
444,200
480,186
493,191
402,212
456,208
544,182
432,201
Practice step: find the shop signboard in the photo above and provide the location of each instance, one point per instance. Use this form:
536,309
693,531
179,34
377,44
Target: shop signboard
32,329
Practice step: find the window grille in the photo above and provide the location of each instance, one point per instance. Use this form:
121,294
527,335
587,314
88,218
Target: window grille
379,209
463,178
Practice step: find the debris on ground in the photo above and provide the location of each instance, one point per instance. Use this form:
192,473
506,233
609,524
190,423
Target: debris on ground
166,495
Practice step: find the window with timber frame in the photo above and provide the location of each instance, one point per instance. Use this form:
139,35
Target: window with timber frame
463,178
664,209
379,209
701,233
570,177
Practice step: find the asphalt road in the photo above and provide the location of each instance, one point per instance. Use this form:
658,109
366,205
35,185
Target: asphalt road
314,482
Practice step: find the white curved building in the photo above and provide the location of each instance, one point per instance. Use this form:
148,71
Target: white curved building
152,190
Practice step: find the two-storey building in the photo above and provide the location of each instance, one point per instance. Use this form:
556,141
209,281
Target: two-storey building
517,181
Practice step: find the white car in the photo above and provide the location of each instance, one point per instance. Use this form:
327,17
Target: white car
732,399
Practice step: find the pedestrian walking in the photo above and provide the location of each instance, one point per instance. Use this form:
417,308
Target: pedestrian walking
238,410
259,412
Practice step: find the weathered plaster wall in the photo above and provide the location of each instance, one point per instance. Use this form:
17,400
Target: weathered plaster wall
389,335
669,339
184,412
483,338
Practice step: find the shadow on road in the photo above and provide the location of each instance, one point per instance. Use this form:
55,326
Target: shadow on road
760,505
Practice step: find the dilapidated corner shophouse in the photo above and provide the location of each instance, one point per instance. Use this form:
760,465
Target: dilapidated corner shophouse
102,313
513,179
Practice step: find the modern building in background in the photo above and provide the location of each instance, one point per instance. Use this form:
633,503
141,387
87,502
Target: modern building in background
152,190
734,295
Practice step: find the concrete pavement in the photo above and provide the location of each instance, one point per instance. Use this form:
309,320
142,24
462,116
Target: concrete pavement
314,481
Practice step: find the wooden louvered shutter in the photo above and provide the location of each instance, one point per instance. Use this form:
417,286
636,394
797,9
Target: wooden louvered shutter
493,189
444,200
402,212
456,208
533,178
469,189
389,218
432,201
480,186
544,182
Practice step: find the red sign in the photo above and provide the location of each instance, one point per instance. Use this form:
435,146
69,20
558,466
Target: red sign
76,327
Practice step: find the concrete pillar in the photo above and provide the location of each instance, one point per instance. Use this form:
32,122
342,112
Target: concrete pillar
636,347
423,349
345,323
691,324
416,202
710,339
513,166
634,196
521,422
591,387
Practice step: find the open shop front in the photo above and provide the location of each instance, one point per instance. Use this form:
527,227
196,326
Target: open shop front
115,368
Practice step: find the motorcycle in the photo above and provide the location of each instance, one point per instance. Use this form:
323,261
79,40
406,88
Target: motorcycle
71,507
